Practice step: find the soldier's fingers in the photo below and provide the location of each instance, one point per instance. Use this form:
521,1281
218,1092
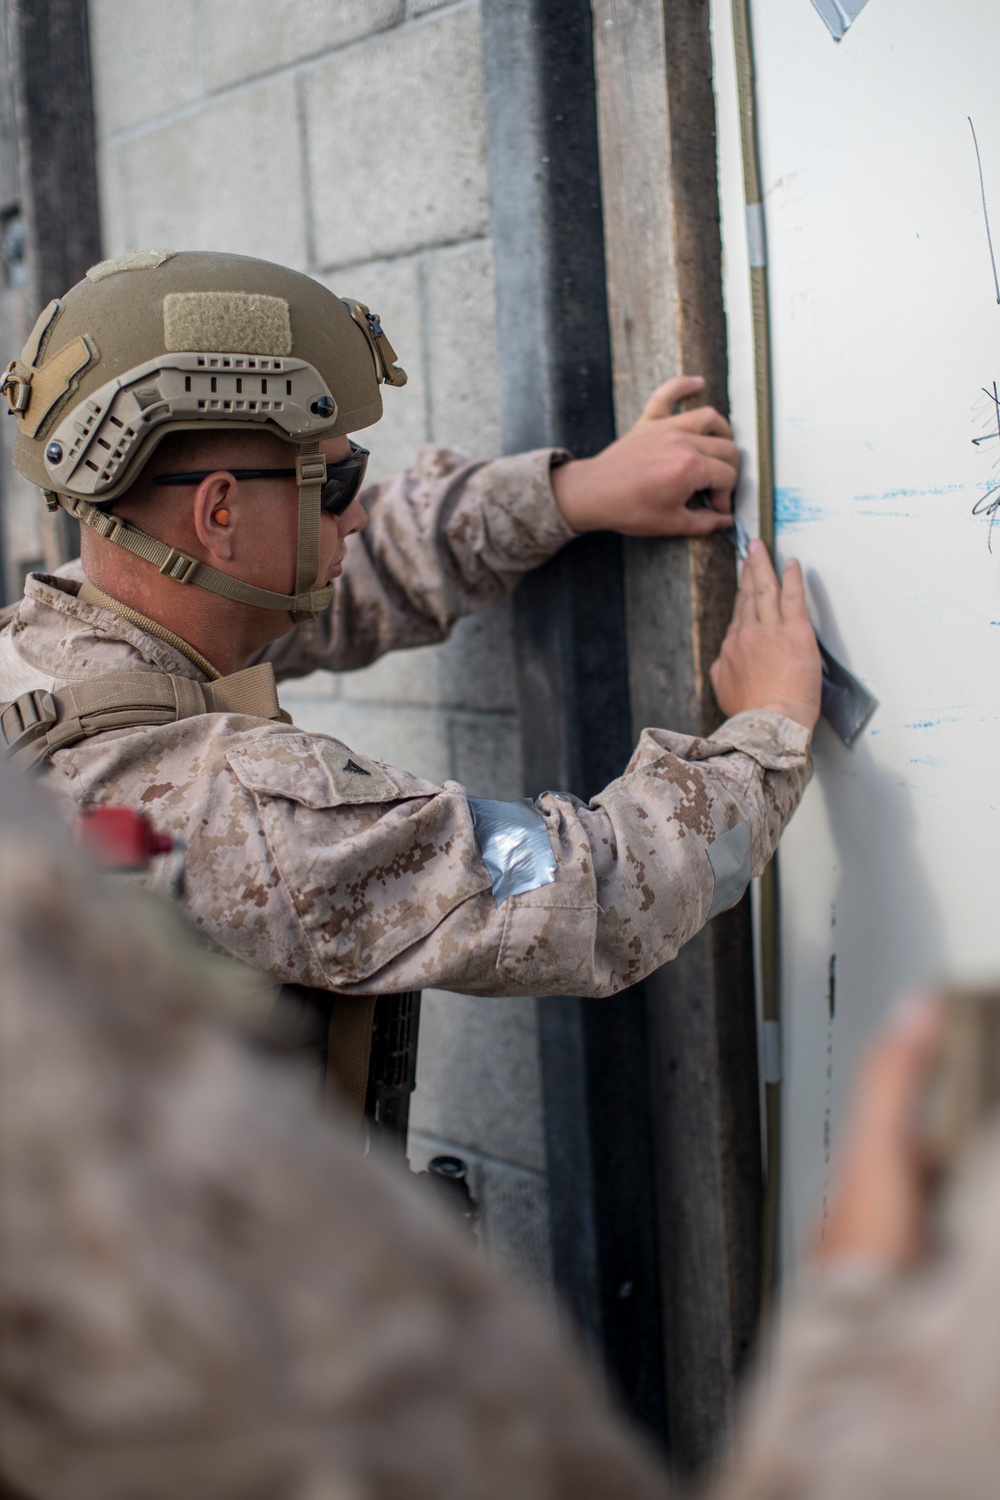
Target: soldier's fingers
666,396
722,504
705,521
743,609
878,1205
714,474
705,420
763,583
793,592
711,445
899,1060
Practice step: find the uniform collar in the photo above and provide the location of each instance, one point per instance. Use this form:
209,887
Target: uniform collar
58,632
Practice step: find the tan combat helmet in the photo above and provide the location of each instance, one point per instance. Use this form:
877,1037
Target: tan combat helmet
158,342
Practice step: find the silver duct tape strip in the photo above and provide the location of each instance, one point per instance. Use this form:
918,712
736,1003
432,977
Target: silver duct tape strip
838,14
729,857
755,235
771,1051
847,703
514,844
739,539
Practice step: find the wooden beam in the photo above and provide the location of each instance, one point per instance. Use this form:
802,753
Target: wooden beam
663,250
555,380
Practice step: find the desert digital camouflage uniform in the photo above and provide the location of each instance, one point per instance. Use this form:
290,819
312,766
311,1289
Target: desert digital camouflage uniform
321,867
205,1291
885,1384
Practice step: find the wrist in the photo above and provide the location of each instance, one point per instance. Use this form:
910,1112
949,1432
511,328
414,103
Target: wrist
568,478
790,708
800,713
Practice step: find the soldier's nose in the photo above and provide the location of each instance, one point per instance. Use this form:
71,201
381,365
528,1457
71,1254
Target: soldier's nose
355,518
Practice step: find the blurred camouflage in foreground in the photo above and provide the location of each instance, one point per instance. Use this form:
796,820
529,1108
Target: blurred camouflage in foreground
204,1289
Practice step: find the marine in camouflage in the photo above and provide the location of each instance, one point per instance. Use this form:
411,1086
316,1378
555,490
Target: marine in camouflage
321,867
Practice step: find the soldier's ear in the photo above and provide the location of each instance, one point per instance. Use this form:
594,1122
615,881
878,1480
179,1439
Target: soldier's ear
214,514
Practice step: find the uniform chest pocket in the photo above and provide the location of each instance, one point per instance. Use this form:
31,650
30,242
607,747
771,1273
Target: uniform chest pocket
372,860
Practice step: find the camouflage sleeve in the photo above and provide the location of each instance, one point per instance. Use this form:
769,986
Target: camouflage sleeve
367,880
443,539
208,1289
884,1381
808,1428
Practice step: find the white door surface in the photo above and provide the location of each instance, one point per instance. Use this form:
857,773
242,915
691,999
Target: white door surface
885,319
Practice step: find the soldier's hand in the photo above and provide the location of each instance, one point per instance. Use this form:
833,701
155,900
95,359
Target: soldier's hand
642,483
879,1197
769,658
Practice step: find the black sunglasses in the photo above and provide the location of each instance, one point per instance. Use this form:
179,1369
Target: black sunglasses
343,479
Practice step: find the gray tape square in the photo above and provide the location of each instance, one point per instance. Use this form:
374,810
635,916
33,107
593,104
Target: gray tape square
838,14
729,857
514,844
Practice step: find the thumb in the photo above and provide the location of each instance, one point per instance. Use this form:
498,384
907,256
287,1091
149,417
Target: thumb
666,396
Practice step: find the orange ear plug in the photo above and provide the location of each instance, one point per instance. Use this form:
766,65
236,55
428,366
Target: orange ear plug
222,516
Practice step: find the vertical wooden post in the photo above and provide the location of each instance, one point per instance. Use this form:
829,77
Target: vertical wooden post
49,56
662,243
555,381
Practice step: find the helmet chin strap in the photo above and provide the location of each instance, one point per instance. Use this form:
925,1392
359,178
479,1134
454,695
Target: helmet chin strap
310,476
305,604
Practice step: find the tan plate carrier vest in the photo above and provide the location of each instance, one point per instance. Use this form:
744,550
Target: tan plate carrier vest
38,723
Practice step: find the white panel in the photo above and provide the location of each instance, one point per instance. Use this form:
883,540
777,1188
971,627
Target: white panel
885,330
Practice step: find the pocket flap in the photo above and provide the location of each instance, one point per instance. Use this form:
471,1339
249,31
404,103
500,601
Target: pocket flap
313,772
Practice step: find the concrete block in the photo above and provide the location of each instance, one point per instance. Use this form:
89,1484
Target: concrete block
416,676
473,669
486,755
461,338
317,688
513,1228
244,38
397,141
113,201
22,518
393,291
226,178
478,1078
421,1149
144,56
515,1232
415,739
478,661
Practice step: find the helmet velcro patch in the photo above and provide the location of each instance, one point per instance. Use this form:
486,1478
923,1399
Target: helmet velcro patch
230,322
135,260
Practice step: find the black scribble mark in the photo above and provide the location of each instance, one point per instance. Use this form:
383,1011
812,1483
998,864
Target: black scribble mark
986,216
989,504
831,987
831,1011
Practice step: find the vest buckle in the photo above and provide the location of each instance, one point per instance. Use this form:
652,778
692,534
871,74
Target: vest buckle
27,719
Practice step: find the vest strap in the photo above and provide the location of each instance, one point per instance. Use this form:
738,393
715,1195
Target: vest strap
37,724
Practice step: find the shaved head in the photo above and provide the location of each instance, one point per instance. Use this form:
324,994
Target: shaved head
190,452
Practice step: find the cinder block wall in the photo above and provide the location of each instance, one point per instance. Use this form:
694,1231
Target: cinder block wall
346,138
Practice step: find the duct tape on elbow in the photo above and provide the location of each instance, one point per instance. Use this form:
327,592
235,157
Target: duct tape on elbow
514,845
729,857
